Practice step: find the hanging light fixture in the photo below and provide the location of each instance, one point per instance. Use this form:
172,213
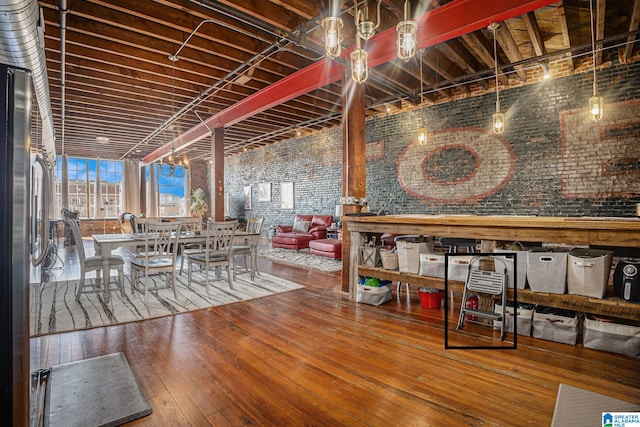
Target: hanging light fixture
174,168
359,63
498,117
332,26
407,32
595,102
422,130
366,28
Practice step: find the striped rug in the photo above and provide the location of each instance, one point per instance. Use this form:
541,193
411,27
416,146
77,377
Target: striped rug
53,308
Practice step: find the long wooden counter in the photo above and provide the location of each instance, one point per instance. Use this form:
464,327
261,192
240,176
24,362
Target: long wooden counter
613,232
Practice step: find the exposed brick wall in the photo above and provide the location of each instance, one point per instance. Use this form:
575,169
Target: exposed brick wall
551,160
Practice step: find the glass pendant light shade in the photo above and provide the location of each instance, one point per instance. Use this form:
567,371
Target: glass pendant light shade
332,27
422,135
406,41
498,123
595,108
359,63
406,35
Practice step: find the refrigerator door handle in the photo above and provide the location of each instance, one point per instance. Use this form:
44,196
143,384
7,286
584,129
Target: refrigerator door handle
40,242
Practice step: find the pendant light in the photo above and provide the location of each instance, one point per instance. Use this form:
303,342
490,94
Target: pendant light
359,63
366,28
332,37
407,32
498,117
422,130
595,102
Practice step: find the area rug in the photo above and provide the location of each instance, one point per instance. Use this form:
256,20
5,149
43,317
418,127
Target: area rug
302,258
53,307
576,407
101,391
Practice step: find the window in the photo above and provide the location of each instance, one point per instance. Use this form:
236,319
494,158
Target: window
83,182
110,187
171,191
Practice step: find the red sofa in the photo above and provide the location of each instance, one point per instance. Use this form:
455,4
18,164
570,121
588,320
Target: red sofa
307,228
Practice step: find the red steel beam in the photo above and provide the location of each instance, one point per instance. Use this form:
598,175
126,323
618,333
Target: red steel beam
436,26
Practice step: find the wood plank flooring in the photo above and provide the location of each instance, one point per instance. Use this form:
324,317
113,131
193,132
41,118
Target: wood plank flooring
315,357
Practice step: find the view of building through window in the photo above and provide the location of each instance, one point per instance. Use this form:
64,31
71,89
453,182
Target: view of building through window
85,176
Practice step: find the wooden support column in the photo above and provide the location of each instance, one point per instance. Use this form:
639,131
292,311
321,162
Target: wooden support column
216,210
354,160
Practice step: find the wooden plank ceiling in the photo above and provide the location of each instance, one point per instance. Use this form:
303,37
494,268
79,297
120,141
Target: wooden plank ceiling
121,85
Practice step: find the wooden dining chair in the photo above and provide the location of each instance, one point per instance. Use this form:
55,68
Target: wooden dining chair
216,252
244,246
159,257
189,225
93,263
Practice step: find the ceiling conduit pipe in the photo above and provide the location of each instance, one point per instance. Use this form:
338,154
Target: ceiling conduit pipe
63,74
22,33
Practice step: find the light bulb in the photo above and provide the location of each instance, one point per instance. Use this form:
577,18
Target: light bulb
595,108
332,36
498,123
359,65
422,136
406,39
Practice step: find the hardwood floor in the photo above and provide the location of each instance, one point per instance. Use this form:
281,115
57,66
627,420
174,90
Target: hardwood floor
315,357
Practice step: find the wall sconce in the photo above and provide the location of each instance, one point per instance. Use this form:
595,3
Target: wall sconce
498,117
545,71
407,32
595,102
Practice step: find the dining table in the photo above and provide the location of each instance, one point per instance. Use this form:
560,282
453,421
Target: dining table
105,244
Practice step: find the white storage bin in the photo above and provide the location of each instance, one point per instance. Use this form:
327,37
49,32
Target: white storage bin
555,325
458,267
613,337
588,272
547,271
409,254
373,295
521,264
524,314
432,265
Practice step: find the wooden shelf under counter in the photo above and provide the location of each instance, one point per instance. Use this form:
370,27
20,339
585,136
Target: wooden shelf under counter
611,306
609,232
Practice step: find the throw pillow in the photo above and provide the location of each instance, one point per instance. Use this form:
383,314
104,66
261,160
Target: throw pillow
301,226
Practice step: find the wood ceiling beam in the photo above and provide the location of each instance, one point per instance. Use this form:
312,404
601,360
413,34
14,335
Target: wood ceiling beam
634,19
599,13
436,26
483,49
533,29
510,48
457,53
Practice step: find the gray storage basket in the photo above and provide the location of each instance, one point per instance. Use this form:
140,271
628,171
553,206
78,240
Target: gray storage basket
547,270
613,337
521,266
588,272
555,325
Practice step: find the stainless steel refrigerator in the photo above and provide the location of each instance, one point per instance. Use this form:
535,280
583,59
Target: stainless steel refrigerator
15,244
